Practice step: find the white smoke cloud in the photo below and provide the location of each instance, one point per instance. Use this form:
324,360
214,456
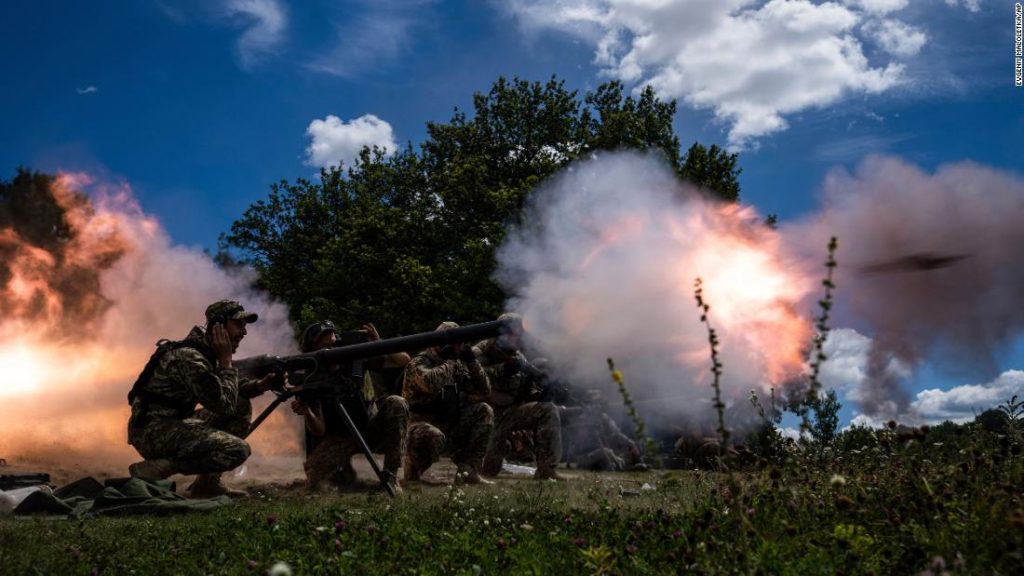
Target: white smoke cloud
605,264
753,63
268,23
334,140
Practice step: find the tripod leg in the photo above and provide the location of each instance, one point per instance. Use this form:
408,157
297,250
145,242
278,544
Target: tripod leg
365,448
266,412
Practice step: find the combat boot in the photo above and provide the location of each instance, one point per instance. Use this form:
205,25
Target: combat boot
391,478
157,469
469,475
210,486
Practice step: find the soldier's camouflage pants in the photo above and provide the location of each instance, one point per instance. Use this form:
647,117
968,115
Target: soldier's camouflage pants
386,432
208,443
466,438
539,418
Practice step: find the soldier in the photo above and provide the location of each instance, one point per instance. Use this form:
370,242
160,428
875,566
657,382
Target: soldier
444,387
382,419
164,426
515,394
595,441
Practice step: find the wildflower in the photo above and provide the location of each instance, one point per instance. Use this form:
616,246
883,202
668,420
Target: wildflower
631,548
340,526
526,527
337,545
371,529
280,569
837,480
271,519
252,564
677,534
579,542
501,544
617,376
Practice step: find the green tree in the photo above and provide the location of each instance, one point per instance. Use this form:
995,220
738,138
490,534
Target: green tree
408,240
713,170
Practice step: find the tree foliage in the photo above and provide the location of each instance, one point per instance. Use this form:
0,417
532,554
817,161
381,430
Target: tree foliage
407,240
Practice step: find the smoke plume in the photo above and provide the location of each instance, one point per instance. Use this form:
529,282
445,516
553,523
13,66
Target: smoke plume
84,302
604,266
930,267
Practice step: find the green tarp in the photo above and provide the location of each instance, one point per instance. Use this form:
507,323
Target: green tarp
115,497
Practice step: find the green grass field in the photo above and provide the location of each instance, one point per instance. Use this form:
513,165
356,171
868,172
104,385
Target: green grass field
888,505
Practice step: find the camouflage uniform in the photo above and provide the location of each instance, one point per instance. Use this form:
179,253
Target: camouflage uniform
597,443
513,396
385,431
164,424
465,423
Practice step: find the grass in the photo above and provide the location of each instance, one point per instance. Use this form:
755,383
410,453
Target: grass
888,503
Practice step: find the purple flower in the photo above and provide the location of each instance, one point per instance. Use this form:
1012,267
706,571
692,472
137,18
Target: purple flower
271,519
340,525
677,534
337,545
631,548
579,542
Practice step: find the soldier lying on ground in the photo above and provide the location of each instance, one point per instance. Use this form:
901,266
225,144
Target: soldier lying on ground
516,389
443,387
595,442
164,426
382,419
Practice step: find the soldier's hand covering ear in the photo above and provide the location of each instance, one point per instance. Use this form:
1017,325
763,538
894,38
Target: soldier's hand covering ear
221,343
449,352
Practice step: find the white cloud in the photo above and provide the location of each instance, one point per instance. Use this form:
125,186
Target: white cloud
268,22
87,90
958,404
335,140
377,34
896,38
753,63
972,5
879,6
962,403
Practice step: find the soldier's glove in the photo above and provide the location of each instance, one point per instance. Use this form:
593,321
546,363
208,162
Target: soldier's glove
467,354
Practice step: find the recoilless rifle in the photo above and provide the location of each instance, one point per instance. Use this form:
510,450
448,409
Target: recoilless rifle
317,381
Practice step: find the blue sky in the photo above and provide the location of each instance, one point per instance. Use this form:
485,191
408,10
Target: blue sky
200,106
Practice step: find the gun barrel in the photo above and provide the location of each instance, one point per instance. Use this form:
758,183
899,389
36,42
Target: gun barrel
257,365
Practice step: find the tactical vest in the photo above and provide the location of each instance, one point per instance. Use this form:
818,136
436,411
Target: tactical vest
182,409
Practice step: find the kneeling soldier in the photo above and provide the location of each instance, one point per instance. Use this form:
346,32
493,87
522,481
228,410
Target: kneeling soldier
165,427
444,387
382,420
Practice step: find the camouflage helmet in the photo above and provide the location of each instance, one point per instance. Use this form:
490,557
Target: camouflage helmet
313,331
224,310
446,325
